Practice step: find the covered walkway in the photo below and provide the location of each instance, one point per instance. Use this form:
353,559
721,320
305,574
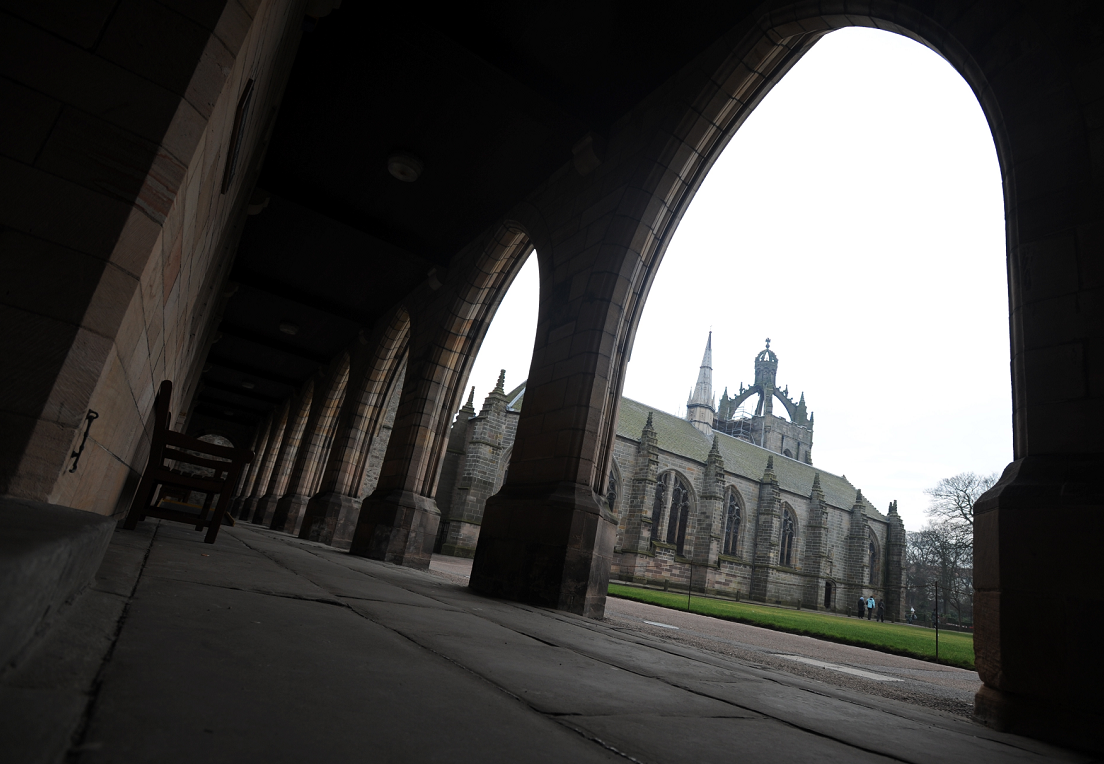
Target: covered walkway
267,648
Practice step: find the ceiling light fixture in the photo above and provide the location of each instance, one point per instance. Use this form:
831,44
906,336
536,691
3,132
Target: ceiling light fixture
406,167
289,328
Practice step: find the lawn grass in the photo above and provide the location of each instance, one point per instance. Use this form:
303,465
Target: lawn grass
955,648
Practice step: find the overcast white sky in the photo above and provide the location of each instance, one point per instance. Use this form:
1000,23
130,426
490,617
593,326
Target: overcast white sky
857,220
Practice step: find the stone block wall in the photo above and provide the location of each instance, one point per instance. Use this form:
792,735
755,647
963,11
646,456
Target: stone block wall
116,231
379,443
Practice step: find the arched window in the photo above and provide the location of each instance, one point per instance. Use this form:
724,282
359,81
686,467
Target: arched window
659,504
788,454
732,524
875,559
679,515
789,536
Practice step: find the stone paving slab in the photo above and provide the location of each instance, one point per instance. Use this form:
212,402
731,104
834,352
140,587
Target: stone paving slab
31,735
339,580
229,564
907,738
706,740
203,673
314,655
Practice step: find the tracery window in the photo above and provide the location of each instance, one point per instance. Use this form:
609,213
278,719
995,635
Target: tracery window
659,504
732,525
875,558
679,515
789,535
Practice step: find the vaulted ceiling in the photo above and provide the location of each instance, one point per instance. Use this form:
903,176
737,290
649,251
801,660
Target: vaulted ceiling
491,99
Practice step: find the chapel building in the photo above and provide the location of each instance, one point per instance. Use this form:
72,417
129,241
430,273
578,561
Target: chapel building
722,501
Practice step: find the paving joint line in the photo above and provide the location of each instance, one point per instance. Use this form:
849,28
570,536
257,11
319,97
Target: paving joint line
591,627
77,739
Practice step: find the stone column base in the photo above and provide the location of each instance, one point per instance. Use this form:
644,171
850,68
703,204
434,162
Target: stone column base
266,508
330,518
398,527
1062,725
289,513
248,508
236,507
547,545
1038,606
462,539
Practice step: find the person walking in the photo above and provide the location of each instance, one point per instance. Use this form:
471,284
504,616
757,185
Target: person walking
912,615
870,608
881,611
861,607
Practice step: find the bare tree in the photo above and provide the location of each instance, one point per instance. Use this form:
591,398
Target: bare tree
942,553
953,498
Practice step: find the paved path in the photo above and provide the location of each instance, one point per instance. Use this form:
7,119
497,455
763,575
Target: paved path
264,648
868,671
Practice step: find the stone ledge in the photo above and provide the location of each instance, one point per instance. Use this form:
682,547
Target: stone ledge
48,553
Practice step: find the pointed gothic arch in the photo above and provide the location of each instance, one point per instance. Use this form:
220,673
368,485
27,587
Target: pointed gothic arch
751,60
733,510
614,488
787,538
874,558
672,506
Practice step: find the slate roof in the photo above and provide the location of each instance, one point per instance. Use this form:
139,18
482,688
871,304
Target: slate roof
515,397
678,436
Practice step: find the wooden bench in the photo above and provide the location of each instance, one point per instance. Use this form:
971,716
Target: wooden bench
169,451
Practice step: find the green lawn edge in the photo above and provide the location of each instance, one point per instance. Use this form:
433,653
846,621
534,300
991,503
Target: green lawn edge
649,597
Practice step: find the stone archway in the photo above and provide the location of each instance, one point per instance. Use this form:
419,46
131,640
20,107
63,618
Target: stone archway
603,262
398,521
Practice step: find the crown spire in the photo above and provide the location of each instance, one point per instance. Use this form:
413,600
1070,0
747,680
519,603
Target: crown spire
700,409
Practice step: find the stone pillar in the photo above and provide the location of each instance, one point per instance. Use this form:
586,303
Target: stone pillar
857,562
328,391
636,545
815,562
1037,601
477,473
249,480
548,536
397,522
766,533
266,462
285,459
377,374
703,539
896,561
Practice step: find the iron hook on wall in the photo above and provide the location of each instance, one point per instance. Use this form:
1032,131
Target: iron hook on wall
90,417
